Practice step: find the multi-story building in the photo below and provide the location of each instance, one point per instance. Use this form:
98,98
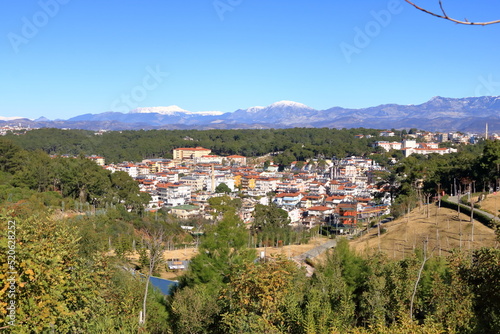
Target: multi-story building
196,183
158,165
219,179
189,153
425,151
288,200
317,188
185,211
167,177
130,169
98,160
174,194
237,160
208,159
388,145
291,186
386,134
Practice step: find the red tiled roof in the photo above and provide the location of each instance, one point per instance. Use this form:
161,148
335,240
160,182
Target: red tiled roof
287,195
191,149
169,185
331,198
319,208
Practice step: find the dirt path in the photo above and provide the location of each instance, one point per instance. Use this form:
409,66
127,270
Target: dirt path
188,253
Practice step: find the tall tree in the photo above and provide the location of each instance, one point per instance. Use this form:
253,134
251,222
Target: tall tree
256,298
224,245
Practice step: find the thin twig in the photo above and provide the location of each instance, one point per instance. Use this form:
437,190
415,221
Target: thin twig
446,17
442,9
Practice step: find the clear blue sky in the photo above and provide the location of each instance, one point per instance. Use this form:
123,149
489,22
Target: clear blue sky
83,56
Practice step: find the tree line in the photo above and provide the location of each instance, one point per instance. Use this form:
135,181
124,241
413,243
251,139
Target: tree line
418,178
79,179
288,144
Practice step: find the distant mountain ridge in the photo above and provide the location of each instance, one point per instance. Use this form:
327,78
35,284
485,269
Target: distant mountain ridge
468,114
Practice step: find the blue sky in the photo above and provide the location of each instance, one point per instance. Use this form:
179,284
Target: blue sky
62,58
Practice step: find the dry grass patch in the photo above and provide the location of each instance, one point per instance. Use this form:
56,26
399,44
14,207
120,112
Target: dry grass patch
491,204
442,231
186,254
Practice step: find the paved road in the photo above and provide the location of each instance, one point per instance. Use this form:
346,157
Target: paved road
454,199
317,250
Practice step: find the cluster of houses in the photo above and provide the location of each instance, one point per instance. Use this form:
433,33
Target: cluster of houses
440,137
16,129
340,193
410,146
427,142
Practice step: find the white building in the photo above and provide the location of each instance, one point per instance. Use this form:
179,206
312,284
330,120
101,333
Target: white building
174,194
219,180
387,134
208,159
388,145
425,151
407,143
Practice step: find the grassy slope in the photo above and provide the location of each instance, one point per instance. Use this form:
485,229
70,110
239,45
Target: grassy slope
444,230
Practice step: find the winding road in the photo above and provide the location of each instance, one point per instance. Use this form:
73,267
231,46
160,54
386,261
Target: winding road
454,200
316,251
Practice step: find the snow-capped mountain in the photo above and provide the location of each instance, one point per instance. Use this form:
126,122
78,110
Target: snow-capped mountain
276,113
159,110
172,110
289,104
437,114
2,118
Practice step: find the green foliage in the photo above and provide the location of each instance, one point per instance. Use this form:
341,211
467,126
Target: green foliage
67,285
447,299
8,156
271,225
223,246
294,144
483,274
79,179
222,188
224,204
56,288
330,302
374,297
255,300
194,310
354,269
488,165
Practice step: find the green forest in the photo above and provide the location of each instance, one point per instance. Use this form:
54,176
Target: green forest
119,146
61,218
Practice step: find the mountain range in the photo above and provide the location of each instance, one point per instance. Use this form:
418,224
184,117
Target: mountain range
438,114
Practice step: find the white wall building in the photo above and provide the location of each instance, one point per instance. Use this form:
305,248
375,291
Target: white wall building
174,194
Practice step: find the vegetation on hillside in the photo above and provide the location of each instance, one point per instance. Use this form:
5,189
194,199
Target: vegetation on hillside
69,214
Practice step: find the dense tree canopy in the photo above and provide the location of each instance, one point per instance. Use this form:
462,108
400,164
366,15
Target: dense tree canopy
78,178
117,146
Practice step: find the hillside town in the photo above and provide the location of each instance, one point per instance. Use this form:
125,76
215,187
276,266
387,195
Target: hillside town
427,142
341,195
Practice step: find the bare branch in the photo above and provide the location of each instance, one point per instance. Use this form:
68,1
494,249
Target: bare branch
442,9
446,17
154,244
